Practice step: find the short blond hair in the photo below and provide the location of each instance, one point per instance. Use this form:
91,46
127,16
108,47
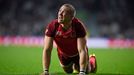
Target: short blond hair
71,8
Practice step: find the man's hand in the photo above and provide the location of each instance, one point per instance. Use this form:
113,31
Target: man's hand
82,73
45,73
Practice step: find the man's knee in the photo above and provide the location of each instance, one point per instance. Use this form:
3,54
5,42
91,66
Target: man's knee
67,68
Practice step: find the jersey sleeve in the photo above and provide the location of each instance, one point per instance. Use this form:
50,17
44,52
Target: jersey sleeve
80,30
50,29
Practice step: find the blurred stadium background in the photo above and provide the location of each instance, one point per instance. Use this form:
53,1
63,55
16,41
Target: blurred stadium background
103,18
110,25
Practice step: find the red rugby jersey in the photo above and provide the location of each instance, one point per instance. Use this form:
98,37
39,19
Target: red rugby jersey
66,40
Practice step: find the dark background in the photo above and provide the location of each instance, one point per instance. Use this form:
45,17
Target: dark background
103,18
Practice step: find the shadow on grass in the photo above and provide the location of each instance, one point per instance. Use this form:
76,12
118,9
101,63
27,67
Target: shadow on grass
61,73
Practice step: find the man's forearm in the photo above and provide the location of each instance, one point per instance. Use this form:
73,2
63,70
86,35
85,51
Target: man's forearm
46,59
83,61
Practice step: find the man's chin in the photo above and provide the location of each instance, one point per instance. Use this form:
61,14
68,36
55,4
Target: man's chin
60,21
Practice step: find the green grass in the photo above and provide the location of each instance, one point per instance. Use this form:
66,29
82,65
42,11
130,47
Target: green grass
28,60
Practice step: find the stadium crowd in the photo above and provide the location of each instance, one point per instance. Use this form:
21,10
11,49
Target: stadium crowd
103,18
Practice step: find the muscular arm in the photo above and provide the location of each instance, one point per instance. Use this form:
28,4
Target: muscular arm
48,45
81,42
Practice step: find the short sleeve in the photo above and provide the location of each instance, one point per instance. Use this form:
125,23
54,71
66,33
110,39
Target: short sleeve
80,30
50,29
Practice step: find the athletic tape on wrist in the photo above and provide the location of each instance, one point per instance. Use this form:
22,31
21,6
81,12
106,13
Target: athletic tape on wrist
82,72
45,70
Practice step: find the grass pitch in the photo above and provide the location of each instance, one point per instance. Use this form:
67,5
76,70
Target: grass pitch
28,60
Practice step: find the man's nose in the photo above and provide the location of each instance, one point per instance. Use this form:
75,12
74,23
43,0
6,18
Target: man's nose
60,13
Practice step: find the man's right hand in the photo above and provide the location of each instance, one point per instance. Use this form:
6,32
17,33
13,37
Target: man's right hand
45,73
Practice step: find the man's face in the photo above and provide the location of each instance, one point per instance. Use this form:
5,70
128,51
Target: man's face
64,15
